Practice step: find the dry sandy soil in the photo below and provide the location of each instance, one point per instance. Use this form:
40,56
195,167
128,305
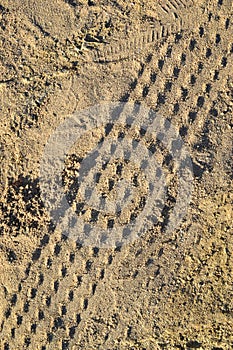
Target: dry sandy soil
57,58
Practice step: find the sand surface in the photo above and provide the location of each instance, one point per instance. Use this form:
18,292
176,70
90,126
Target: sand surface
160,290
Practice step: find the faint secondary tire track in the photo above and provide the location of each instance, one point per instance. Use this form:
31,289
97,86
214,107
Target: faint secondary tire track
126,50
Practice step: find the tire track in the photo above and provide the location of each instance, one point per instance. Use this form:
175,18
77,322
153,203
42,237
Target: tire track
201,77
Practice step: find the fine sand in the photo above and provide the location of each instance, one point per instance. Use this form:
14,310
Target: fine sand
161,290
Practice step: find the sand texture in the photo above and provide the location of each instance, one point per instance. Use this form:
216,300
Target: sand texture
162,290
